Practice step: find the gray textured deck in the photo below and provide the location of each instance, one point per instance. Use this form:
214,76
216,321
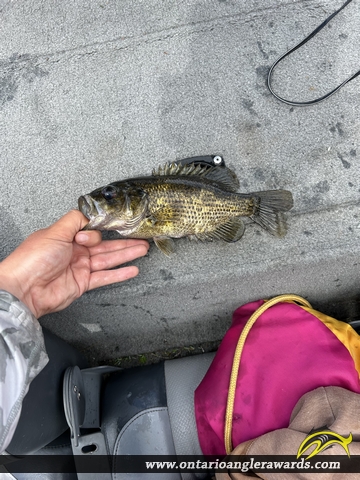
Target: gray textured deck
97,91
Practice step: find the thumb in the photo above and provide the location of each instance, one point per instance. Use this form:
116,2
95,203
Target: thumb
89,239
68,226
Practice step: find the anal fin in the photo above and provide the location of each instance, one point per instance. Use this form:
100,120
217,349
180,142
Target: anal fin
231,231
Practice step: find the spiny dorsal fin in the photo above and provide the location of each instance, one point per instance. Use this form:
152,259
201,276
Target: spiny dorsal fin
224,177
178,169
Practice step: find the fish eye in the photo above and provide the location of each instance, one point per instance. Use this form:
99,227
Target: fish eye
108,192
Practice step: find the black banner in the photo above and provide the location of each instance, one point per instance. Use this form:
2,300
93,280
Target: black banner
186,464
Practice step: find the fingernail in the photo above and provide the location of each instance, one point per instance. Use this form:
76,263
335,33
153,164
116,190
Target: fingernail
82,237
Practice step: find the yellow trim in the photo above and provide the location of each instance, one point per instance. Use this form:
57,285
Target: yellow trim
344,332
237,358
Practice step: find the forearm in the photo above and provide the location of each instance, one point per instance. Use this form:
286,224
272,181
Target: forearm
22,357
9,284
15,277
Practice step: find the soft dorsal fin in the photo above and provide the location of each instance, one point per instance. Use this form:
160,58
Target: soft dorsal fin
225,177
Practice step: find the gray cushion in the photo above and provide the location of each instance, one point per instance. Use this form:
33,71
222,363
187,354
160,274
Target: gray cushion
182,376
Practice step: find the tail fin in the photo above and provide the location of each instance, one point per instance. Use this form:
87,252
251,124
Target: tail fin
268,212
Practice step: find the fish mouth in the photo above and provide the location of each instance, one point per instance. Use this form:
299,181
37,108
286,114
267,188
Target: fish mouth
88,208
85,206
97,217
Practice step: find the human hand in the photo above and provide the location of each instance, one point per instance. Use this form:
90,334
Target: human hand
56,265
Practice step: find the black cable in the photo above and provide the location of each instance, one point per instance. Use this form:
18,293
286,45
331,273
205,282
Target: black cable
312,34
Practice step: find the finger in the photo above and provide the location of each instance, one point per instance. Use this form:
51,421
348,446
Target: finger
89,239
114,245
107,277
104,261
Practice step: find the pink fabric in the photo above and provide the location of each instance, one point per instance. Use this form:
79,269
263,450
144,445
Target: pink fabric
288,353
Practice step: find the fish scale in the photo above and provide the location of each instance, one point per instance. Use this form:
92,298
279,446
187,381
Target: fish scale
197,209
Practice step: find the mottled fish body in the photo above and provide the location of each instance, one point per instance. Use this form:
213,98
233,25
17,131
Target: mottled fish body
183,201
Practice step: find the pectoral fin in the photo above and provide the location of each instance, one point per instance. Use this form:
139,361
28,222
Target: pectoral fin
165,244
163,215
231,231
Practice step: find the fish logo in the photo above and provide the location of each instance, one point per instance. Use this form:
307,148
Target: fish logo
322,440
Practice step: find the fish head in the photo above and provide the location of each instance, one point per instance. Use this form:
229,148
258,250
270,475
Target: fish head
117,206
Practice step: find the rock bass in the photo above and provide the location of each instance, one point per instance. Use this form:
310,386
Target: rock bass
195,201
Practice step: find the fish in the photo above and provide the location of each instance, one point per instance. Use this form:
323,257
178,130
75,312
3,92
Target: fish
192,200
